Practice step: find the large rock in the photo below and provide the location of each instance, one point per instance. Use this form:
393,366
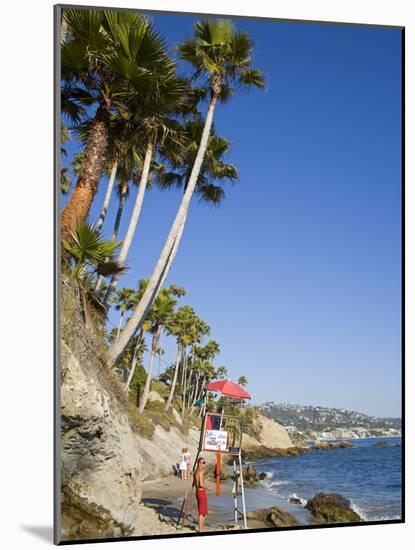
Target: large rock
328,446
272,434
100,455
273,517
332,508
251,475
259,452
271,439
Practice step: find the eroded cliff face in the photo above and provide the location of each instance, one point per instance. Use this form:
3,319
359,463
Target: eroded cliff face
100,455
101,461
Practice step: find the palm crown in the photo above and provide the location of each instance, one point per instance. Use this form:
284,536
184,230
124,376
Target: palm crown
221,55
214,169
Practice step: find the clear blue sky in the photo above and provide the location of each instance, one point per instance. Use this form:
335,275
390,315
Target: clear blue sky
299,271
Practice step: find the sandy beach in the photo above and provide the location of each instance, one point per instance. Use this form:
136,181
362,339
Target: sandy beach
166,496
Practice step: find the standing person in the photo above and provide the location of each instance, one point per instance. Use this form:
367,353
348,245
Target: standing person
188,459
183,465
201,494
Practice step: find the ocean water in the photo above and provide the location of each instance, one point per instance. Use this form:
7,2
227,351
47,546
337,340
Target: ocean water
369,476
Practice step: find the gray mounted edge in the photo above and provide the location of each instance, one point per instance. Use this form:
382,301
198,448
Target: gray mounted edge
150,11
57,277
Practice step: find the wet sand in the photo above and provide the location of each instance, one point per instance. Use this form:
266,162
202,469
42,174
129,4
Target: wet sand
165,497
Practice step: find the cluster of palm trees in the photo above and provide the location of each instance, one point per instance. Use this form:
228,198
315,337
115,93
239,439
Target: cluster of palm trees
193,368
140,122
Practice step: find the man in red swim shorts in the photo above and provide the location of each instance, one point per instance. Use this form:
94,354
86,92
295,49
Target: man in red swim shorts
201,495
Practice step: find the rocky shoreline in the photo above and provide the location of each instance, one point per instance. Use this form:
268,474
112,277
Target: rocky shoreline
165,498
260,452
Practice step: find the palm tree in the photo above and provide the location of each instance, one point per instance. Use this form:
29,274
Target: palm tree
160,351
126,167
205,355
88,249
242,381
159,316
199,330
119,138
213,172
121,150
221,372
223,57
133,355
155,126
180,326
96,65
125,302
139,349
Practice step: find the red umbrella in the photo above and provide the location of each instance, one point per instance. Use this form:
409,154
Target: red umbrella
228,388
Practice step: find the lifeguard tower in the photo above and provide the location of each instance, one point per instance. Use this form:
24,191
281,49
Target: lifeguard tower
221,434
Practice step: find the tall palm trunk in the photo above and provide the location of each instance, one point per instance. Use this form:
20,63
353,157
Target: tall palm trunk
199,395
120,323
134,362
146,391
79,204
105,205
121,204
135,215
174,381
118,347
170,260
159,354
189,389
194,396
196,386
183,364
184,384
202,385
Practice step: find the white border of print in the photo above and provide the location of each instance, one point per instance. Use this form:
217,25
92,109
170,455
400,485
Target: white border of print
26,461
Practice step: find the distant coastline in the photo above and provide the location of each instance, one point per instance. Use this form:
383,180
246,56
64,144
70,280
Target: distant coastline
351,439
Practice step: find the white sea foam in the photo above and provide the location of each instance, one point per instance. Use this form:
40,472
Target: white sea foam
302,500
383,518
358,511
273,485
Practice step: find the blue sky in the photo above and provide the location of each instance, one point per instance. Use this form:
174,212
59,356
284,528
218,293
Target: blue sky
299,271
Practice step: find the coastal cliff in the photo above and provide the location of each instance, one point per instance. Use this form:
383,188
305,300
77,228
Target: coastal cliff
101,464
104,460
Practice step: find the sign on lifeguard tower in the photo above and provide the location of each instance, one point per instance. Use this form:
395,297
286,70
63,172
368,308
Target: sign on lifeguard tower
221,433
216,440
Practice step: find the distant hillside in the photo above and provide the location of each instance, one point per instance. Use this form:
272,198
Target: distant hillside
307,419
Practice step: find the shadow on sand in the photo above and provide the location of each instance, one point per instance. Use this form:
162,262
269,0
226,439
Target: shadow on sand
167,511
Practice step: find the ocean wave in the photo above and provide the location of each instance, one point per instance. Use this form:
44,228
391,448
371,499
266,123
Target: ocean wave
358,511
273,485
302,500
